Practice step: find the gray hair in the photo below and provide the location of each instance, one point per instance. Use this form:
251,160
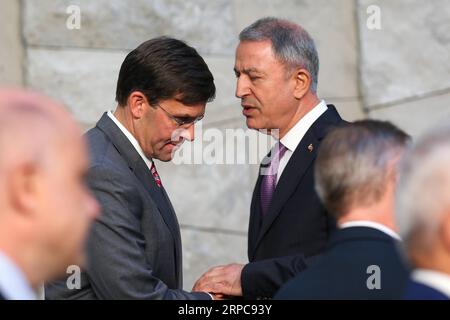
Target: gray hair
423,191
291,44
355,162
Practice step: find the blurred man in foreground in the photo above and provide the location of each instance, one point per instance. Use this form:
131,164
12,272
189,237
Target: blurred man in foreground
423,215
45,206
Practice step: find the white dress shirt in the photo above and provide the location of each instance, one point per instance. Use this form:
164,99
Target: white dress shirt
13,283
132,139
434,279
293,137
371,224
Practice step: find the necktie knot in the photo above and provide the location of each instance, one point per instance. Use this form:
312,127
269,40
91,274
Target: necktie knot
271,163
279,152
155,175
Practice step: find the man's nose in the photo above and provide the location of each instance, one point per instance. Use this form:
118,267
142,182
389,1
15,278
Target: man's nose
242,87
181,134
189,134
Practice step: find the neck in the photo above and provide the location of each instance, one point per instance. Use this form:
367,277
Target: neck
125,118
26,254
382,212
305,105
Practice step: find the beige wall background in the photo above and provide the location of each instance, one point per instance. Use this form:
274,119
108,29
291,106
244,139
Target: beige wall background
400,73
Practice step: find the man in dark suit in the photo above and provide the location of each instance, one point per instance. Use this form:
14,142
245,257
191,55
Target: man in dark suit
423,215
355,177
276,68
134,248
45,207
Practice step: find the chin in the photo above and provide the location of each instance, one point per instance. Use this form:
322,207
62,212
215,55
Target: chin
253,124
165,157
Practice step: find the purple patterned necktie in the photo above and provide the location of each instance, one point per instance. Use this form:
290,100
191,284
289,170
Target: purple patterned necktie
269,179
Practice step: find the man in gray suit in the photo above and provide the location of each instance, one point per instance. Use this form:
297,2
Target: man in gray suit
134,249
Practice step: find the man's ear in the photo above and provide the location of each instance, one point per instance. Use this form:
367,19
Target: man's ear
302,80
137,103
23,188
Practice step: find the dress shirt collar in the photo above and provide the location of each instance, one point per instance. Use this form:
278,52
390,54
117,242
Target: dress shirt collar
132,139
293,137
434,279
13,283
371,224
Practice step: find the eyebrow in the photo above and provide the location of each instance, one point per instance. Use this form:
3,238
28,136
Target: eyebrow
248,70
184,115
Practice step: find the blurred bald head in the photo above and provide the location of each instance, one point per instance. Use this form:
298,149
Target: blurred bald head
423,201
45,206
29,124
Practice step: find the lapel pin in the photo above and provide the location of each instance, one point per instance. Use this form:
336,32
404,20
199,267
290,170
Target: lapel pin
310,147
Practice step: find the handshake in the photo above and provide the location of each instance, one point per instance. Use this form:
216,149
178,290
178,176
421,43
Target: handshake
223,282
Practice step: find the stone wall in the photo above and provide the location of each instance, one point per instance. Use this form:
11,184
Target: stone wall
405,66
11,46
400,73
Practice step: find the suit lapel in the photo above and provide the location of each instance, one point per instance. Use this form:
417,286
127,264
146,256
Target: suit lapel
158,195
177,238
255,218
143,174
165,207
298,164
292,175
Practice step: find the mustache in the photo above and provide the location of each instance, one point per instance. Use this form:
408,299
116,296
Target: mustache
248,104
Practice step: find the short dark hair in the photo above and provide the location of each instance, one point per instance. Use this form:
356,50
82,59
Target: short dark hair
353,162
164,68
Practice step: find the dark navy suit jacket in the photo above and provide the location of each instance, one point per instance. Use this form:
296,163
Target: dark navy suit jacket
296,225
419,291
344,271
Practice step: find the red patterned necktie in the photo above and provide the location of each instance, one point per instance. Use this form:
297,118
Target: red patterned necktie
156,175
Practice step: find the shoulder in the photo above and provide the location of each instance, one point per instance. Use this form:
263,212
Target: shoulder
362,245
327,121
419,291
98,144
104,156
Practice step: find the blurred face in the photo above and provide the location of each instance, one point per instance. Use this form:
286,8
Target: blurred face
66,206
264,86
160,132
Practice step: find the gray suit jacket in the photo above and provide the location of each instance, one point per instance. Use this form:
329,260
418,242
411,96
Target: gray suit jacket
134,247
